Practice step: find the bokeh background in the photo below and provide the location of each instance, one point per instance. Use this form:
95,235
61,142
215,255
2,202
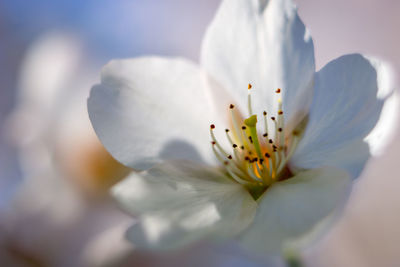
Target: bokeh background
54,174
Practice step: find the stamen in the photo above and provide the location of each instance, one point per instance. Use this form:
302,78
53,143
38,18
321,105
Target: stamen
234,176
289,155
212,127
252,174
276,130
249,100
281,137
236,169
235,124
217,155
258,167
265,124
227,166
236,153
228,137
245,137
270,169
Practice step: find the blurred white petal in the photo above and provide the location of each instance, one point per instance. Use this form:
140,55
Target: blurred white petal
179,203
290,209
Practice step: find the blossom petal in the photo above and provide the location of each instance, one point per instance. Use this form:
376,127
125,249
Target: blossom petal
151,108
348,99
265,44
385,129
180,202
290,209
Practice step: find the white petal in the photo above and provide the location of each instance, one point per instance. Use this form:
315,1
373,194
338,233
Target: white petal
180,202
385,129
292,208
147,109
347,104
263,44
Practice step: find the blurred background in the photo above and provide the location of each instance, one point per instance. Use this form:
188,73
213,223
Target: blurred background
54,173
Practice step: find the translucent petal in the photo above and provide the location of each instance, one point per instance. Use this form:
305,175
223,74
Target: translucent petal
180,202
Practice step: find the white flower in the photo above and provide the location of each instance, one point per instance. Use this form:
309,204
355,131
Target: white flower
284,165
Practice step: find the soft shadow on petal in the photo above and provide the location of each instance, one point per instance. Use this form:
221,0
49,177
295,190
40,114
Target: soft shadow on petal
265,44
180,149
142,104
180,202
347,105
290,209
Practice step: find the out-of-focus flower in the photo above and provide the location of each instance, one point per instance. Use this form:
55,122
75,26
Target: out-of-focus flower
277,182
61,204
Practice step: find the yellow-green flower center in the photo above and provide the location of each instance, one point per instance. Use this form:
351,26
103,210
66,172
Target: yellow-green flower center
258,159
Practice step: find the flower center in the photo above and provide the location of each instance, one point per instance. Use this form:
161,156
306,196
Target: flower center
258,159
